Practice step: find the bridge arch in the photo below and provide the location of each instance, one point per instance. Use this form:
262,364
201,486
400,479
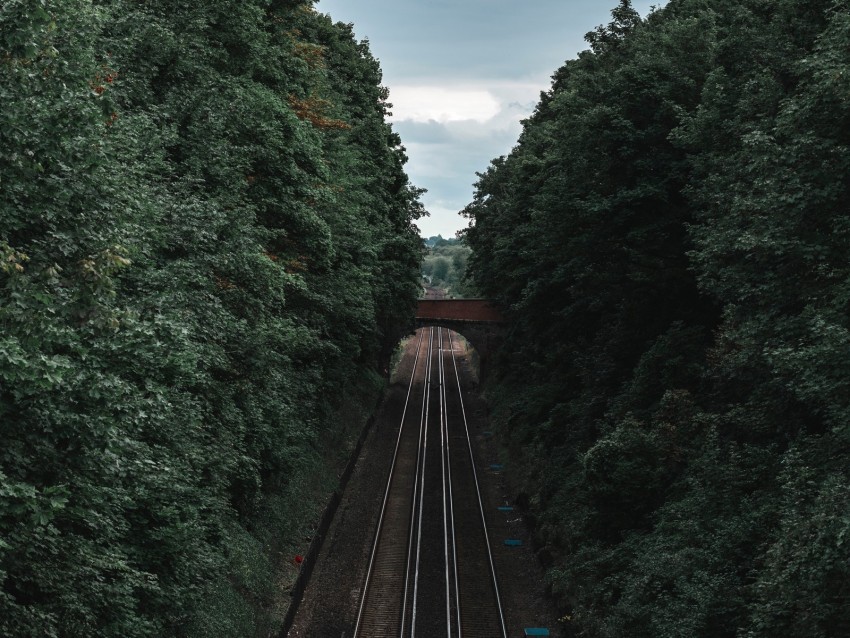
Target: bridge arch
479,321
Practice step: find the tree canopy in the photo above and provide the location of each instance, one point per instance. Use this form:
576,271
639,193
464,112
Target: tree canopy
207,241
669,241
444,265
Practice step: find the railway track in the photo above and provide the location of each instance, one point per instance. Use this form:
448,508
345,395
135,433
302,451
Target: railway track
431,571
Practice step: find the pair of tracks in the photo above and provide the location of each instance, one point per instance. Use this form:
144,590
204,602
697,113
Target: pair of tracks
431,569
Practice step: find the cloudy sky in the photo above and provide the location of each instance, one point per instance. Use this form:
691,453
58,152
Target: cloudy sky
462,74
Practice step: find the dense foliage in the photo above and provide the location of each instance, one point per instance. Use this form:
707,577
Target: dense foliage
669,238
444,266
206,248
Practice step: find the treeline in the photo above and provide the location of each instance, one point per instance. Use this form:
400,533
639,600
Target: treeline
207,251
669,238
444,265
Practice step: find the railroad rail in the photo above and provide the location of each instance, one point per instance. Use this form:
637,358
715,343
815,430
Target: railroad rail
431,570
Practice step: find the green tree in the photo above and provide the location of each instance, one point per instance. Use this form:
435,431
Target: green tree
673,274
208,249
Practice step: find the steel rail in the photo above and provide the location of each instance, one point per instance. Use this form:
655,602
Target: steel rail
404,504
451,504
448,536
478,494
387,491
420,469
448,504
443,409
421,486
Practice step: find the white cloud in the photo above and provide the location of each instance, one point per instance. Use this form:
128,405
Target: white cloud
442,104
444,220
445,155
462,74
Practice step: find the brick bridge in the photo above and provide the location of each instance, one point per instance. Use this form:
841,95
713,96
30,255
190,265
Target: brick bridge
478,320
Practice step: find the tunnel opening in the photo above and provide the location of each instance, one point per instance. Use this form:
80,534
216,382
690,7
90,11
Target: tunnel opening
465,350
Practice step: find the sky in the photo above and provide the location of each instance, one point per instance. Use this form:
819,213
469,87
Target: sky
462,74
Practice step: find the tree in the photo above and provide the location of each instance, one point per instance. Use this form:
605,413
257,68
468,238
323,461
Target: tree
667,239
208,249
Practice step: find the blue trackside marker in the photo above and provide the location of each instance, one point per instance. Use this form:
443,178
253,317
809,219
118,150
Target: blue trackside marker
513,542
487,434
497,467
505,508
536,631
